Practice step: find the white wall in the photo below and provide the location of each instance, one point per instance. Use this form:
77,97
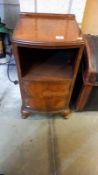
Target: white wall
9,1
54,6
9,11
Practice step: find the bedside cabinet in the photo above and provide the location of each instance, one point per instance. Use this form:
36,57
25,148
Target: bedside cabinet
48,50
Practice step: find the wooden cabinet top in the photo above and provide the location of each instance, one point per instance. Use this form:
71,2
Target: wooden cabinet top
47,30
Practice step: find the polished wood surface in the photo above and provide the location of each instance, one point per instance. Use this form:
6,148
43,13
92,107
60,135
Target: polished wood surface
47,29
48,50
47,104
46,89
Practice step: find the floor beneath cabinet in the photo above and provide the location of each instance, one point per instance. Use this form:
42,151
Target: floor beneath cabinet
44,145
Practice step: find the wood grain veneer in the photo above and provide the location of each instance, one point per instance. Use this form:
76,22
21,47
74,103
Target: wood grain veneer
48,50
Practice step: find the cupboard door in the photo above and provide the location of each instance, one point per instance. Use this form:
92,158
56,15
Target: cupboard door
47,104
46,89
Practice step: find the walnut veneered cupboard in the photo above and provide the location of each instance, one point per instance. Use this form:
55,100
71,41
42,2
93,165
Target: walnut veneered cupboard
48,50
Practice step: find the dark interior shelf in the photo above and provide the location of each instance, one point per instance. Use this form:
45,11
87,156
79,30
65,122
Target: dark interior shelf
46,72
47,64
